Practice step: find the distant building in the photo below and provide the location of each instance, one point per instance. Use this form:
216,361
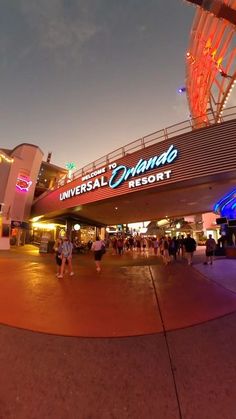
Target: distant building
49,176
24,176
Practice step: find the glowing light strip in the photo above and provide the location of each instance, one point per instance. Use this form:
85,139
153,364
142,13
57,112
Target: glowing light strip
226,206
8,159
49,226
217,205
227,98
227,203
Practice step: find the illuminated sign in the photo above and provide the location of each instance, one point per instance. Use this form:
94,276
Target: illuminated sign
70,166
23,184
85,187
150,179
94,174
227,205
122,173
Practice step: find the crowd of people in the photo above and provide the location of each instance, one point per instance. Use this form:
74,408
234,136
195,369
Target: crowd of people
167,247
64,249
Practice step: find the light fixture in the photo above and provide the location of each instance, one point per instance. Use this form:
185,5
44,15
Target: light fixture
35,219
5,158
44,226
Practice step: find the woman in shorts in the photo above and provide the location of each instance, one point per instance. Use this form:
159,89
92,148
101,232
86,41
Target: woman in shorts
66,253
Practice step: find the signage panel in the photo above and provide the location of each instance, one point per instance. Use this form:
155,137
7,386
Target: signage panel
197,160
122,173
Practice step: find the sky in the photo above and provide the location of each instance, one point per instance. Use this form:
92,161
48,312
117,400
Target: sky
81,78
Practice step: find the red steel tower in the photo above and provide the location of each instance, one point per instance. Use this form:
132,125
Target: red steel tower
211,59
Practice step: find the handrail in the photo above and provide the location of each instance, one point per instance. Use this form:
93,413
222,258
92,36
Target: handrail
143,142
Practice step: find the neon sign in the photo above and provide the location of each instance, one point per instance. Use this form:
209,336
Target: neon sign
121,173
84,187
227,205
23,184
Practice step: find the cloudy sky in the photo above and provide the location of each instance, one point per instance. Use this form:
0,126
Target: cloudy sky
81,78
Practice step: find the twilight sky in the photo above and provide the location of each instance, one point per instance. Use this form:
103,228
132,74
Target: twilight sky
82,78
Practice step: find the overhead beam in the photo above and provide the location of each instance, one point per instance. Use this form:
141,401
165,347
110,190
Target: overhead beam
217,8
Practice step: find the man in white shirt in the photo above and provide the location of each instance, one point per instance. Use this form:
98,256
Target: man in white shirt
99,248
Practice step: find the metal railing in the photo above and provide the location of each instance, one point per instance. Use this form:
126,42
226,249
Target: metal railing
150,139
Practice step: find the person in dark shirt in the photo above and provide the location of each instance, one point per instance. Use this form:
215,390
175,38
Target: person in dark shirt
173,247
210,249
181,246
190,247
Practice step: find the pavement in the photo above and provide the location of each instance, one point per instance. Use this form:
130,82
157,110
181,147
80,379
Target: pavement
138,340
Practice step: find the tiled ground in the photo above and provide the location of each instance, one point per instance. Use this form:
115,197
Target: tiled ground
133,295
185,369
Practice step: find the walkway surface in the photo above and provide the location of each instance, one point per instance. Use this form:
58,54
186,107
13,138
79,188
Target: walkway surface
139,340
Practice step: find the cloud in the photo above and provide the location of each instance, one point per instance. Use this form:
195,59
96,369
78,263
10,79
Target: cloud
55,26
180,109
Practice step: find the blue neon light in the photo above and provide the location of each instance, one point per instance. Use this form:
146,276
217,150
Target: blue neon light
218,204
226,206
121,173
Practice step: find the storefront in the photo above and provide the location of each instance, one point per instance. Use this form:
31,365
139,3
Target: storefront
18,172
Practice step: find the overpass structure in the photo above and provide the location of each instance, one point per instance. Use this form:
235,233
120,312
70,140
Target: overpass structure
220,9
211,59
174,172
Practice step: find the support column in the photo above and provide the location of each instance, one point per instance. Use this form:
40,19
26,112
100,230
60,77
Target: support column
5,225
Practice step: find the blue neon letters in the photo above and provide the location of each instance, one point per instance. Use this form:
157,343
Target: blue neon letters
226,206
122,173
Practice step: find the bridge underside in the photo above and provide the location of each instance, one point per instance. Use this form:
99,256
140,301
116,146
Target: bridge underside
186,198
202,173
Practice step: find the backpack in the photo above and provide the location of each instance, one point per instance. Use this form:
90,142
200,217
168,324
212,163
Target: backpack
103,249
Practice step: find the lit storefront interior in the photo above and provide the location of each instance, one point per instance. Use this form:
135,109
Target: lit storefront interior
44,234
199,226
49,230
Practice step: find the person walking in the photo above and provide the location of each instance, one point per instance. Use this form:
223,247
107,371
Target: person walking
66,254
138,244
99,248
144,243
210,250
58,249
155,245
173,248
120,245
181,246
166,254
190,247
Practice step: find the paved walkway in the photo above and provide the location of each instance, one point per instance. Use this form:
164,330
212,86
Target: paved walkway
173,355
